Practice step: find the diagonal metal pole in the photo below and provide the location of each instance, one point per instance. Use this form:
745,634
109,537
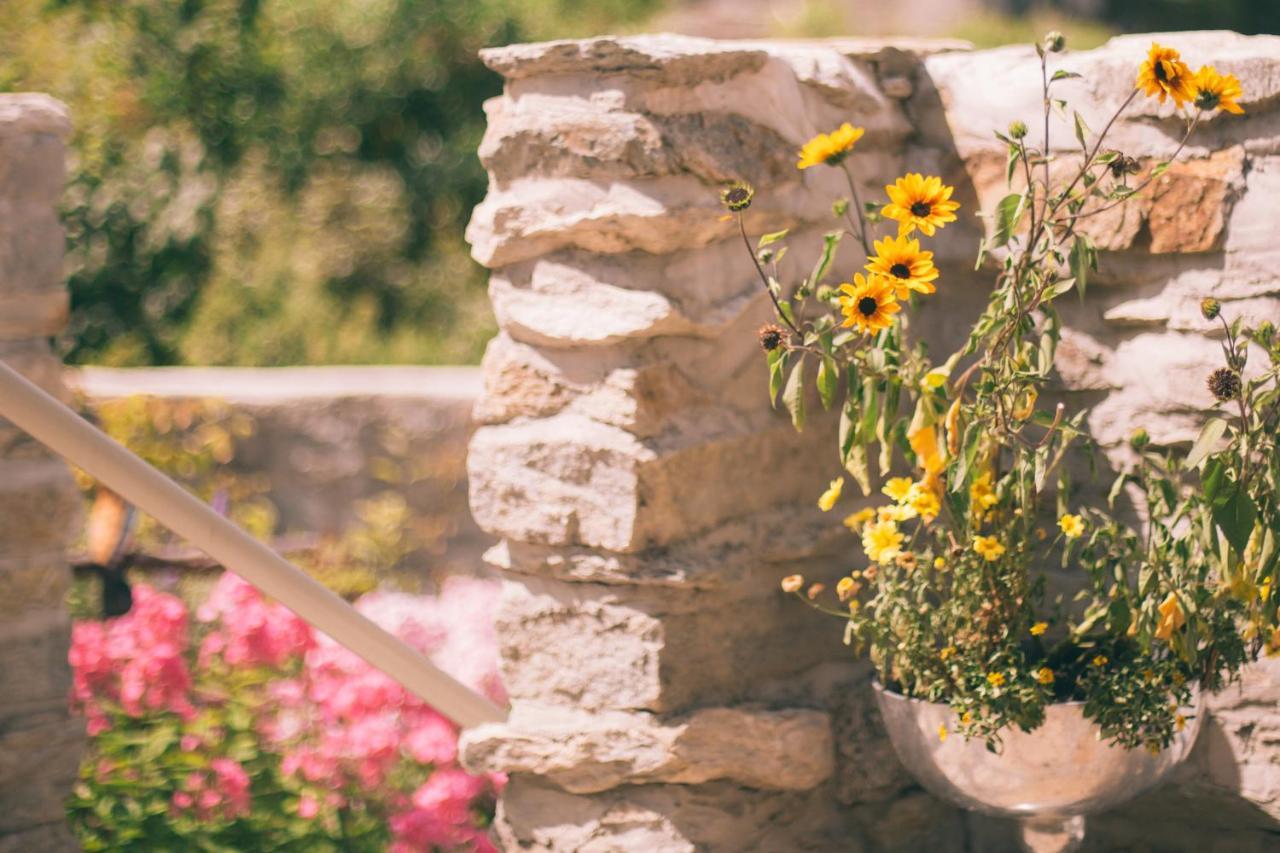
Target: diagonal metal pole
70,436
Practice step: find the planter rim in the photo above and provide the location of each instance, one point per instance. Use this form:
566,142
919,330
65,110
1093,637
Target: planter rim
894,694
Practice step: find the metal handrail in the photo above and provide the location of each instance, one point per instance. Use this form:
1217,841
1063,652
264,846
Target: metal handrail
70,436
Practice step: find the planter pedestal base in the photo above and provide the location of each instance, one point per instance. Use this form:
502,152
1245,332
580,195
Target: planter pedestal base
1052,835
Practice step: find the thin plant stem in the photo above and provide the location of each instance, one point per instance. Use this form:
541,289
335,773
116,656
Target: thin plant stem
857,205
742,229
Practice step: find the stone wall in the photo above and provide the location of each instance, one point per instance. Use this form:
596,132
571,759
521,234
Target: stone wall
665,696
326,438
40,743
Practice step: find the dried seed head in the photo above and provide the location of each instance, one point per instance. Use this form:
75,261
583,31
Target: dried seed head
1210,308
737,196
1123,164
772,337
1224,384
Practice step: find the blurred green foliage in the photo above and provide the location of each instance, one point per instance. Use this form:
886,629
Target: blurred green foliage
269,182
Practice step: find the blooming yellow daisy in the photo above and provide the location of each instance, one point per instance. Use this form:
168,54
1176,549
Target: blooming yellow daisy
829,148
882,541
847,588
982,495
1171,617
1213,91
922,499
995,679
1044,675
893,512
898,488
855,520
1039,628
1165,75
900,260
831,495
919,202
868,303
988,547
1072,526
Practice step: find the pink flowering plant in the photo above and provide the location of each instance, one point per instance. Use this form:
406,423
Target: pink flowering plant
243,729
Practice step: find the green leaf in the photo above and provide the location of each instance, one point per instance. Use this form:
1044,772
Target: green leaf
777,369
1058,288
859,468
1211,479
1062,75
1082,260
1159,170
1008,212
773,237
828,378
1209,436
1235,513
829,242
793,395
1012,163
1082,130
785,307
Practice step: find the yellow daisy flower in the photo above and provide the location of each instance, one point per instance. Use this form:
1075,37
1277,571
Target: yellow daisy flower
919,202
1165,75
1072,526
982,495
995,679
847,588
1039,628
923,501
1213,91
898,488
829,148
939,563
1172,617
868,303
946,652
933,380
1100,660
988,547
882,541
1044,675
855,521
900,260
831,495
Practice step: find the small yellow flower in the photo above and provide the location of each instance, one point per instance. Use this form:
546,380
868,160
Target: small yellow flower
1165,75
831,495
939,563
982,494
882,541
1212,91
829,148
815,590
933,380
1072,526
988,547
919,202
900,260
946,653
923,501
855,521
1044,675
792,583
966,718
1100,660
898,488
892,512
854,604
1172,617
942,733
868,303
995,679
846,588
1039,628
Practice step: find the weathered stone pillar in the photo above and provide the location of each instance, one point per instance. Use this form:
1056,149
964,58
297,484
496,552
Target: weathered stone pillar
40,743
665,695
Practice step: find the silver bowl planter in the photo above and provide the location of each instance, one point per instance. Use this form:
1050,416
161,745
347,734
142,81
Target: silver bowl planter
1049,778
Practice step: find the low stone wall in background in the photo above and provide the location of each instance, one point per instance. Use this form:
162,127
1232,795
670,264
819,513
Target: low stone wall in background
325,438
666,696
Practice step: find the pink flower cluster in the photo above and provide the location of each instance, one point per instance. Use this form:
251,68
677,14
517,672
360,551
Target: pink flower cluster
220,794
136,662
342,724
251,630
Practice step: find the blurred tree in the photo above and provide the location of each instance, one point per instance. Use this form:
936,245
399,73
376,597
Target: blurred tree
275,181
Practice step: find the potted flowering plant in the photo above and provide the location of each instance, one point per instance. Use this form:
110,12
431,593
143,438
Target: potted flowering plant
951,602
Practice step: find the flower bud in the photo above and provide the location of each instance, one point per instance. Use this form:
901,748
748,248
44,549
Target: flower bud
1055,42
840,206
1139,438
1210,308
737,196
1018,129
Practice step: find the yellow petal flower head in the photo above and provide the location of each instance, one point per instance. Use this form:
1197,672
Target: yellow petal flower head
893,512
1165,75
1171,617
1100,660
847,588
947,652
922,499
1072,526
898,488
868,303
982,495
831,495
1213,91
988,547
919,202
1039,628
882,541
829,148
856,520
900,260
995,679
1044,675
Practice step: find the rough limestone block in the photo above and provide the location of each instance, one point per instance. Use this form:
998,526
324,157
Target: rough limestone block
34,673
587,753
39,757
30,582
32,130
39,506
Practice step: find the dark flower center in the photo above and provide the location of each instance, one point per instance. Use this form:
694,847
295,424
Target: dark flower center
921,208
1161,74
1207,100
737,195
900,271
867,306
